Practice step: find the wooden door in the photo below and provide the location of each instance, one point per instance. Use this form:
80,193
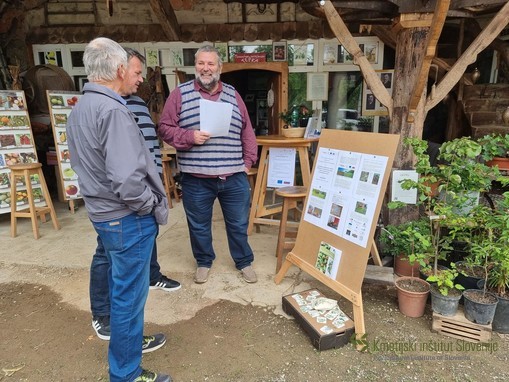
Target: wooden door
278,82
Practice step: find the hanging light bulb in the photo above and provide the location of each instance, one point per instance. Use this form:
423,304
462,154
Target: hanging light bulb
505,116
475,75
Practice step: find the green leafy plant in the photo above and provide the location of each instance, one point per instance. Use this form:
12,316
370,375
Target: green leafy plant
494,145
444,279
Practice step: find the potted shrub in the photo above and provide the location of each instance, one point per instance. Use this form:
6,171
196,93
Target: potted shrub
480,304
498,272
495,150
445,293
395,240
412,291
462,173
412,295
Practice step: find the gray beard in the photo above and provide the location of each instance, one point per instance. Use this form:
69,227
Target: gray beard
208,86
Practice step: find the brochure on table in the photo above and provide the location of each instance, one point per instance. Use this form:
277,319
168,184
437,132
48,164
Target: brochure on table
60,106
16,146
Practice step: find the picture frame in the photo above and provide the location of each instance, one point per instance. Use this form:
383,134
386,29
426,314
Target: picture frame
152,57
317,86
279,51
222,48
370,105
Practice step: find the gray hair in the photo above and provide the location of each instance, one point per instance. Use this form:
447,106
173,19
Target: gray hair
209,49
102,59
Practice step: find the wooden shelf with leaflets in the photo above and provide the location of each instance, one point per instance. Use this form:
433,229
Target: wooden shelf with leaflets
16,147
60,106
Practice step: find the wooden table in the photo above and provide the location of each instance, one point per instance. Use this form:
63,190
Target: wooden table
260,211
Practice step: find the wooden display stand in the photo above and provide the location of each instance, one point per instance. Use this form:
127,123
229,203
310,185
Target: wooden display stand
16,147
60,105
310,237
260,212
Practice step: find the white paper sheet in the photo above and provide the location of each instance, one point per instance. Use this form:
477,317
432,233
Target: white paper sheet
215,117
281,167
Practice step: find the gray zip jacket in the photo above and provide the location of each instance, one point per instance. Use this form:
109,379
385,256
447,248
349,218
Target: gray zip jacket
116,172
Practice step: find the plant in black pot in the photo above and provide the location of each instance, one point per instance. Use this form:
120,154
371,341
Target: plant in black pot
445,293
498,273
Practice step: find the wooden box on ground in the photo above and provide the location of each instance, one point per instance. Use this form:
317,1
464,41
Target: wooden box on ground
324,330
458,326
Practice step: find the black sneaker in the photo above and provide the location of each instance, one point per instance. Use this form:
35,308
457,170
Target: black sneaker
149,376
101,325
164,283
151,343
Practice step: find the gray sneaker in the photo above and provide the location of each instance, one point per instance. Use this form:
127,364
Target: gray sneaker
149,376
202,275
151,343
249,274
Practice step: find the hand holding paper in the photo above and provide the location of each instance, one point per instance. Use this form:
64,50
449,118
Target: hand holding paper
215,117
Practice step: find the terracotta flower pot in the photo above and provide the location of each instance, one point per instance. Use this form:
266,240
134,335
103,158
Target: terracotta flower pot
403,268
412,295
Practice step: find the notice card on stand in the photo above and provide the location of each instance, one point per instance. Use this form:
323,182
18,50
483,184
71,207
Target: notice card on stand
215,117
398,193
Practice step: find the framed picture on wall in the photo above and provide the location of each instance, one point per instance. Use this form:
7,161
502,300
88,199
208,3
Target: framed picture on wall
279,51
222,48
317,86
152,57
370,105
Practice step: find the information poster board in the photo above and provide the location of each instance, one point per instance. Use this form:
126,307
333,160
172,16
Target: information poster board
60,106
335,236
16,146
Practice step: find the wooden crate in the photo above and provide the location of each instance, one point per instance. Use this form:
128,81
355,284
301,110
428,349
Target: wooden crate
458,326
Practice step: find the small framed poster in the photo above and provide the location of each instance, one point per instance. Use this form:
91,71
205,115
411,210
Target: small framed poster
222,48
317,86
279,51
152,57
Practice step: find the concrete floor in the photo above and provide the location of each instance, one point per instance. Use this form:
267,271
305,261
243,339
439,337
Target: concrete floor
61,259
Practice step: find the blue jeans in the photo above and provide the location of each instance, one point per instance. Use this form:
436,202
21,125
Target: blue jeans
198,196
99,285
128,243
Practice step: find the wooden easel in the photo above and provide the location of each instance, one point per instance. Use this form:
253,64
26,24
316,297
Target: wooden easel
352,266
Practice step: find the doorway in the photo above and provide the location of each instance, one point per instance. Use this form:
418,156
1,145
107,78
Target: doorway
253,82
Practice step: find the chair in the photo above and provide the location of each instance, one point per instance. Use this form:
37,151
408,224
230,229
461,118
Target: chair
169,182
292,196
24,171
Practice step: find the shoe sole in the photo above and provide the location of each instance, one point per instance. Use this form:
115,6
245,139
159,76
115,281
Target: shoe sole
150,350
153,287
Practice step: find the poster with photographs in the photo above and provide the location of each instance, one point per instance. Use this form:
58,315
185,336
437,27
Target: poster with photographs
16,147
370,105
61,104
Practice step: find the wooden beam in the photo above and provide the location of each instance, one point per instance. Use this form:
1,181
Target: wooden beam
485,38
438,21
346,39
166,16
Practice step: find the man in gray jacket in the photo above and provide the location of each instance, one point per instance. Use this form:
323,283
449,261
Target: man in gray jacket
123,194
